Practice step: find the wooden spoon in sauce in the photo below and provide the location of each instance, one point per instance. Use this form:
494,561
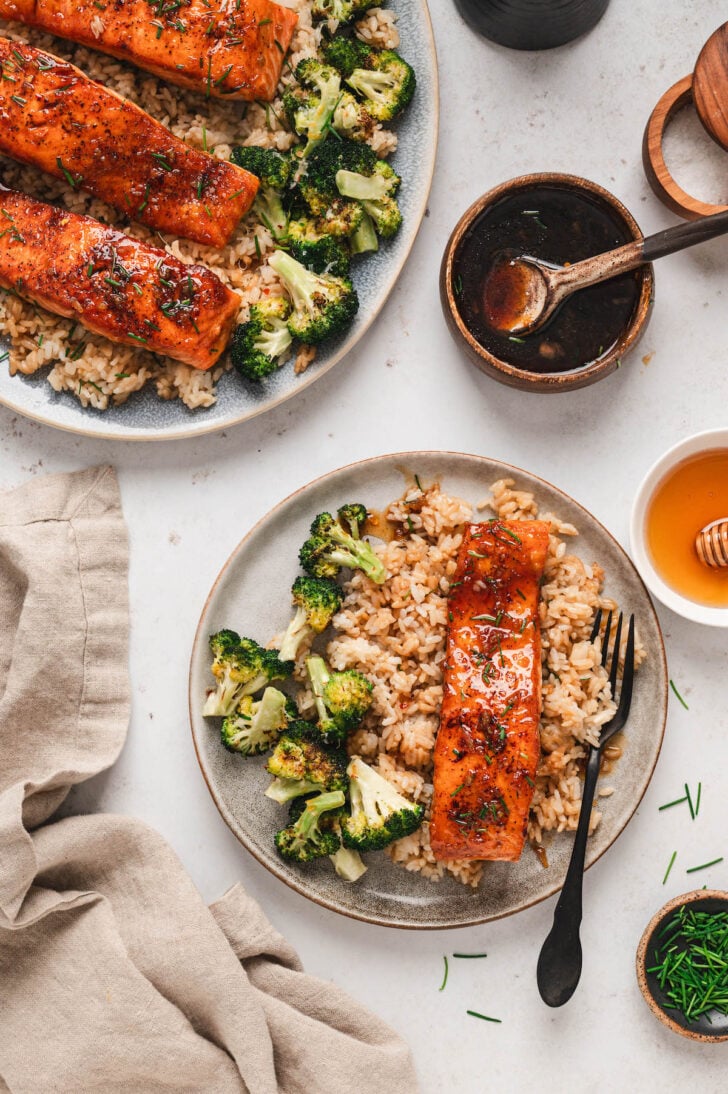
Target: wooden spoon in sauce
521,293
711,543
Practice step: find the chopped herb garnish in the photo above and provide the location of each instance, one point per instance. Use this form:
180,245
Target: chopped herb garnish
72,182
704,865
470,955
457,790
136,337
485,1017
161,160
697,800
677,801
444,979
515,338
669,867
223,76
679,696
690,801
19,100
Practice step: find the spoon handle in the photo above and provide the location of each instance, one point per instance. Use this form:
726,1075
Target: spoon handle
674,239
590,271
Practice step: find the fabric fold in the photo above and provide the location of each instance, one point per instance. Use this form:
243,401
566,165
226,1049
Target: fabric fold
109,958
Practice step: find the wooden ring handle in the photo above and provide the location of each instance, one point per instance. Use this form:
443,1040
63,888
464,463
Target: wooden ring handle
653,160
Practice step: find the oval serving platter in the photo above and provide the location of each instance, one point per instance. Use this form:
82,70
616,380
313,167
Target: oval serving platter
146,417
251,595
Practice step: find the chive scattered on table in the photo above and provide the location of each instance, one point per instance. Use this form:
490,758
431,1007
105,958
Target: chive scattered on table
677,801
690,801
704,865
697,800
485,1017
444,979
470,955
670,866
678,695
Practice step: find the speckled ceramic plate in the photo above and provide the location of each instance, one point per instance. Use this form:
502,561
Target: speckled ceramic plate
251,595
145,417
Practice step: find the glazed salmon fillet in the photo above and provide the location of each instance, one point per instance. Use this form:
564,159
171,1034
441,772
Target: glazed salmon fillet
54,117
114,285
487,747
224,48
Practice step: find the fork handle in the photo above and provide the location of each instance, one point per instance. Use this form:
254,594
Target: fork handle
559,963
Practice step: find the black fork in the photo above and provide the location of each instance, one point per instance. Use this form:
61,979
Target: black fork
559,963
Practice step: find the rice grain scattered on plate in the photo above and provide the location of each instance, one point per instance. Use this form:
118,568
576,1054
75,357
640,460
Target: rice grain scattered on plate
396,633
96,371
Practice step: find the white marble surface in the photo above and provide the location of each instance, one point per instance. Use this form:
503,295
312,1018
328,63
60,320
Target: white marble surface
580,109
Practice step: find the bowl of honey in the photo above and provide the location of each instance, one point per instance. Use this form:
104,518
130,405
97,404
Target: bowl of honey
679,528
559,219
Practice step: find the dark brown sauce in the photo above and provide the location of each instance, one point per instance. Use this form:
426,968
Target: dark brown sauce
560,226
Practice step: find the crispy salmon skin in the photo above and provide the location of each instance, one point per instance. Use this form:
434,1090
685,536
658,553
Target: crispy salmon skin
488,747
54,117
114,285
223,48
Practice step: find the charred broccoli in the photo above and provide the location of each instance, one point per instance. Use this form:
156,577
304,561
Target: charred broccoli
309,835
341,10
300,763
342,699
352,517
317,599
323,305
256,725
318,184
327,255
241,667
339,220
384,80
274,171
379,813
261,345
347,863
365,237
376,193
330,547
310,106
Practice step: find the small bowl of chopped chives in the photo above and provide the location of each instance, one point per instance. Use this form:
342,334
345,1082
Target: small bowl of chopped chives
682,965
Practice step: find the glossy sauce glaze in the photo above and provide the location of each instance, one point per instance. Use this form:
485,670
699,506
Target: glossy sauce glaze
488,747
691,495
559,225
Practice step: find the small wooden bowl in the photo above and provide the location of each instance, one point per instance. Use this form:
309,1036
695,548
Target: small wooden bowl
502,370
714,900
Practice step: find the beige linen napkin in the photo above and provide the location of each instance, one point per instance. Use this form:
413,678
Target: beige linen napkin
114,975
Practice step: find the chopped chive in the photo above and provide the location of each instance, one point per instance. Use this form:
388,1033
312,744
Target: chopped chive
679,696
514,338
444,979
669,868
457,790
470,955
136,337
485,1017
221,79
704,865
19,100
697,800
678,801
690,801
161,160
72,182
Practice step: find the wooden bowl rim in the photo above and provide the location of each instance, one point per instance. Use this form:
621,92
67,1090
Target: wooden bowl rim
691,897
524,378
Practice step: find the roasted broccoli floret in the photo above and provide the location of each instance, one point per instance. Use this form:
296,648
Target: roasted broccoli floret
271,167
317,599
330,547
323,305
345,53
342,10
379,813
365,237
326,255
241,667
310,107
301,763
376,193
317,184
256,725
342,699
274,172
352,119
386,83
339,221
261,345
307,836
347,863
352,517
